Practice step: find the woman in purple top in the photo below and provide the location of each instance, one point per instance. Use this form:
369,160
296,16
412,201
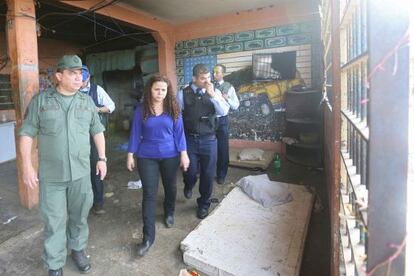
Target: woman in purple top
157,140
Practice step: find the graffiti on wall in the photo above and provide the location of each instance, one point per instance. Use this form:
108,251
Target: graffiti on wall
262,65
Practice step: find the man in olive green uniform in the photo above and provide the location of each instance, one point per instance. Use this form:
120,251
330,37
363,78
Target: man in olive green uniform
62,119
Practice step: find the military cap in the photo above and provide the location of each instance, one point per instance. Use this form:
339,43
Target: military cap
69,62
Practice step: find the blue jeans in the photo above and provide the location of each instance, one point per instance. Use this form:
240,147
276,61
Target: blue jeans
222,134
149,170
97,183
202,152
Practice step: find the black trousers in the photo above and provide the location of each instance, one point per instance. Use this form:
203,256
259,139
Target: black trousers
149,170
222,134
202,152
97,183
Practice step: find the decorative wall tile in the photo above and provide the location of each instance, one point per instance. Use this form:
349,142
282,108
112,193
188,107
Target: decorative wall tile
209,41
253,45
299,39
275,42
288,29
179,45
214,50
264,33
182,53
306,27
243,36
234,47
210,61
225,38
191,43
179,71
181,80
200,51
179,62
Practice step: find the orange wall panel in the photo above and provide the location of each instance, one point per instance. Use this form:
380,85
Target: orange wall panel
246,20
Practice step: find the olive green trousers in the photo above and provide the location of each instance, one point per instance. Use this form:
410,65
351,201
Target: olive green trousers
64,207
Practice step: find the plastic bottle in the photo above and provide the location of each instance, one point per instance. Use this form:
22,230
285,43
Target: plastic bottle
277,163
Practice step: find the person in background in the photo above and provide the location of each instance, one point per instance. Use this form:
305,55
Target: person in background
157,140
222,132
104,105
63,120
201,104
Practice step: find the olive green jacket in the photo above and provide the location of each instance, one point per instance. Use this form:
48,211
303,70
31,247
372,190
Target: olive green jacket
63,136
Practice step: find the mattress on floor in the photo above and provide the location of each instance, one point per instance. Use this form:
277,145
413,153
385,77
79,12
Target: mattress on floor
262,164
241,237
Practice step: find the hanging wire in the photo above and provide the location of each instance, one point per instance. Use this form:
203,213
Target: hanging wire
117,37
111,29
94,8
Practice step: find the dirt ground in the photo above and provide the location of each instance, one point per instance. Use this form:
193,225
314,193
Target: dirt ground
114,235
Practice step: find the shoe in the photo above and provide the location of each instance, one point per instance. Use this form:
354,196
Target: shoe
98,210
57,272
202,213
220,181
188,193
169,221
81,260
143,248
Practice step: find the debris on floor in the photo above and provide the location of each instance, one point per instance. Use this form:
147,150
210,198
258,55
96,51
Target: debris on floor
185,272
9,220
134,185
268,193
108,195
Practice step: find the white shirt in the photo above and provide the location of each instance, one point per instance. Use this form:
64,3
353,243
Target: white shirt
103,97
232,98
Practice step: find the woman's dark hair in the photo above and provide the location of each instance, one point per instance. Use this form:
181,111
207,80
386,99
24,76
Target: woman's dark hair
170,103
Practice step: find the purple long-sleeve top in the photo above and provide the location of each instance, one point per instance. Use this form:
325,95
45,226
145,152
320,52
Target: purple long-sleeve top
157,136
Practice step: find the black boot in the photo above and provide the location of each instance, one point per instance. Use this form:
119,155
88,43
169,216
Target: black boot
57,272
81,260
143,248
169,221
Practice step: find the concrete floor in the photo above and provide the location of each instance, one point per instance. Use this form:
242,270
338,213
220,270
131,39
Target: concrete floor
113,236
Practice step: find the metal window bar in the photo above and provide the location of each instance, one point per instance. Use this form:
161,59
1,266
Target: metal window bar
358,154
354,88
364,100
358,73
349,48
348,94
6,100
364,34
354,42
358,32
262,67
364,162
354,191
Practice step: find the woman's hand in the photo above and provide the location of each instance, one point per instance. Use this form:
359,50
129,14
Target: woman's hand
130,162
184,161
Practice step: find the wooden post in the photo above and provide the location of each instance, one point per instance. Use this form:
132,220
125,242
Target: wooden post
24,75
166,56
336,138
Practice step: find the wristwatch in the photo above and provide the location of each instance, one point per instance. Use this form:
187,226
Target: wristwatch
104,159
